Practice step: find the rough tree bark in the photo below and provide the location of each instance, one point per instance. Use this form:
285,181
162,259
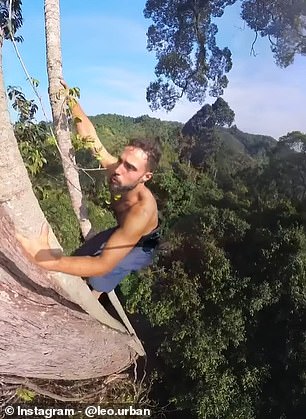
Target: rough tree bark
55,73
43,335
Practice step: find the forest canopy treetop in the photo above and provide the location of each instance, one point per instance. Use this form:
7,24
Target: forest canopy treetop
189,61
184,39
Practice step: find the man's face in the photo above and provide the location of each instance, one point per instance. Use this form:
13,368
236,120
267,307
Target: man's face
130,170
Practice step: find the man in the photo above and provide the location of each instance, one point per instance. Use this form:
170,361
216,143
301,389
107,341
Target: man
110,255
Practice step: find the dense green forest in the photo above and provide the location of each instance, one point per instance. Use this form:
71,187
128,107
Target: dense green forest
224,305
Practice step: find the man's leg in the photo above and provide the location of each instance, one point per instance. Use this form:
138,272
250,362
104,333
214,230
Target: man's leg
134,261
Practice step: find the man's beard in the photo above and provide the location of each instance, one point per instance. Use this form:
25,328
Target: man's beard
118,189
121,189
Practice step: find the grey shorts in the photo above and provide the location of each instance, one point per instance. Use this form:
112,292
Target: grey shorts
138,258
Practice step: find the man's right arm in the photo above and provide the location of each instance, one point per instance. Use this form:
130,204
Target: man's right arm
87,132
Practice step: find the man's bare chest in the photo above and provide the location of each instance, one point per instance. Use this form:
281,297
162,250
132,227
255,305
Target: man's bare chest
121,208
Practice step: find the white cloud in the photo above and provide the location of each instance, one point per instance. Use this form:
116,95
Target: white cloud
266,99
267,109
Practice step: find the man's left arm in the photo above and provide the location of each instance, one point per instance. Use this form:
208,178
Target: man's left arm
116,248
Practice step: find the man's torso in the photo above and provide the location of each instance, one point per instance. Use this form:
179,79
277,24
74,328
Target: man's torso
122,206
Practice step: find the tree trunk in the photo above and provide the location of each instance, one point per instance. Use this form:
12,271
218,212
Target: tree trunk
55,74
43,334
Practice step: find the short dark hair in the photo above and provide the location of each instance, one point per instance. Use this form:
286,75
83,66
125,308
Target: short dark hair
152,147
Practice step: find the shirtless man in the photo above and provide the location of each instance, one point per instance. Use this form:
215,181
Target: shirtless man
109,256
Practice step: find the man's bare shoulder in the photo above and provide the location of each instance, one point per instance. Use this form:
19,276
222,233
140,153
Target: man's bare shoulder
147,200
146,208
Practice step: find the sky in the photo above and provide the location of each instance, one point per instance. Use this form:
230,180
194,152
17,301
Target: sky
104,54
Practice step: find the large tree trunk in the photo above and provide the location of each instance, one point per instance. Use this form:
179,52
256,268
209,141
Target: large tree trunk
55,73
43,335
40,333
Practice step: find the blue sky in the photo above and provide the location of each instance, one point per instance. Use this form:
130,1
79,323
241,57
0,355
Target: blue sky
104,53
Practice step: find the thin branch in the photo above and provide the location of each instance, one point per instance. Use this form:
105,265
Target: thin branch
252,52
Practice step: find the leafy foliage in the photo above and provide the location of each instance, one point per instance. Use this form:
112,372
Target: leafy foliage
282,22
32,138
227,305
189,60
25,395
10,18
58,210
209,116
26,108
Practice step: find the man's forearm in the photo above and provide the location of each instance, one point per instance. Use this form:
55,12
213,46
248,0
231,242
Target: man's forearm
78,265
89,135
83,124
86,130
